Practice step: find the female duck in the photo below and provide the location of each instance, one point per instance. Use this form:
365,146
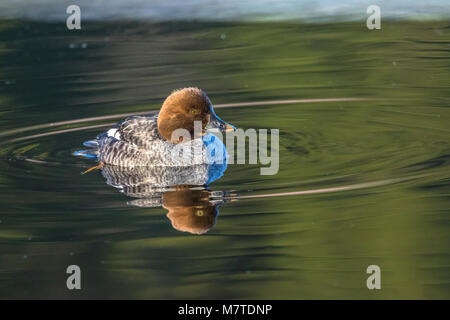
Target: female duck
177,136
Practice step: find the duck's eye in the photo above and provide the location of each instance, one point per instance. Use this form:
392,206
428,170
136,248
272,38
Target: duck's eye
194,111
199,213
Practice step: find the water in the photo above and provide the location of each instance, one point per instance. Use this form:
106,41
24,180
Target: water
363,179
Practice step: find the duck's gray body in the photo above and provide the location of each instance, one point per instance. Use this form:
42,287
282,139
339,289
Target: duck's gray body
136,142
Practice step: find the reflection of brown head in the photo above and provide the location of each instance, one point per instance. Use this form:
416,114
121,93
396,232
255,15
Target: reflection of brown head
190,210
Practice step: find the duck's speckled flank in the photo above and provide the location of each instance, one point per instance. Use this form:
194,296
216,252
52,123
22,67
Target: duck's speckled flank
136,142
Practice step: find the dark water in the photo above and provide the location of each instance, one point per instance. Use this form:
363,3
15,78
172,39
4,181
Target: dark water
378,168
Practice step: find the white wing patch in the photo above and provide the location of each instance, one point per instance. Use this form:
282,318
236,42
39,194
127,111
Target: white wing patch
114,132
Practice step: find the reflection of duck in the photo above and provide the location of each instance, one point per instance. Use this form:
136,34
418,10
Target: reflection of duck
145,182
156,140
181,190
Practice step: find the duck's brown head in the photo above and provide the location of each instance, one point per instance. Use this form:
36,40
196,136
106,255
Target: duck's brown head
182,108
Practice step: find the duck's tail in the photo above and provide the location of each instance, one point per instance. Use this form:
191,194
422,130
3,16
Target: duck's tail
91,143
93,152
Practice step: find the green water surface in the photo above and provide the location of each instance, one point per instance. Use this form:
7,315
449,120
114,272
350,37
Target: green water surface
301,246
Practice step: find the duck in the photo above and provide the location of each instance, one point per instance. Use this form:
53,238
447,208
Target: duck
180,134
